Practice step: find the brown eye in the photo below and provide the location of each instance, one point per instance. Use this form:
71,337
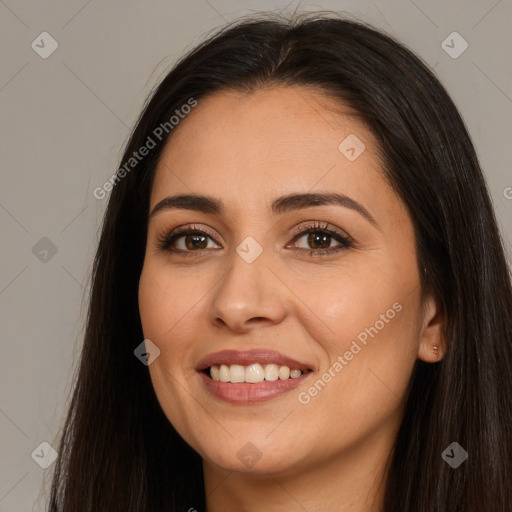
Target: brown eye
186,241
195,242
318,239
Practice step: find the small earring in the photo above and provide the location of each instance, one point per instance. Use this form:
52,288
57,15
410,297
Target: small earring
435,348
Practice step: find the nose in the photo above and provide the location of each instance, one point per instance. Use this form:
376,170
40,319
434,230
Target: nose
250,295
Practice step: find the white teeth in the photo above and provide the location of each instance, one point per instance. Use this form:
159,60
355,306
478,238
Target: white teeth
284,372
236,373
215,372
271,372
224,373
253,373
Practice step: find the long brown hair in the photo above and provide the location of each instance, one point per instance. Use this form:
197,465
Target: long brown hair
118,451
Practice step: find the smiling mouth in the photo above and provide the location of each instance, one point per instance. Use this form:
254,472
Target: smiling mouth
253,373
251,376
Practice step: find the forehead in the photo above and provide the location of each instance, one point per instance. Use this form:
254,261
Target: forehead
269,142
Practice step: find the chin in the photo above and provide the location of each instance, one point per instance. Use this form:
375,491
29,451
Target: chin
258,457
250,461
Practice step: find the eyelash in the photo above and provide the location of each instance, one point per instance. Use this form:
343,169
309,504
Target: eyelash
165,241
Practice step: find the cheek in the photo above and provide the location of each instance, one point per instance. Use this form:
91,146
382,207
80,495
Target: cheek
169,307
159,316
165,302
351,302
152,305
368,333
165,322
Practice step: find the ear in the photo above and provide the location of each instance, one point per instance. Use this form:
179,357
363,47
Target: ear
433,345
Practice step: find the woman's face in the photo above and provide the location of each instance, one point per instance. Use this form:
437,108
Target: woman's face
252,295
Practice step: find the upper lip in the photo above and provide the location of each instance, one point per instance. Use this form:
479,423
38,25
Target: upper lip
248,357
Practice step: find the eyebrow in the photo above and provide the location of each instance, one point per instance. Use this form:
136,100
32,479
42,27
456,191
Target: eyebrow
280,206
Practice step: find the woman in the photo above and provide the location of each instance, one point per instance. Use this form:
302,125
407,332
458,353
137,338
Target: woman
300,298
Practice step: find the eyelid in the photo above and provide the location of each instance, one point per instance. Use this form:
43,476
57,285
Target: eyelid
193,227
322,226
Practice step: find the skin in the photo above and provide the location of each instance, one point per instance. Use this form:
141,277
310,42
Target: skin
247,149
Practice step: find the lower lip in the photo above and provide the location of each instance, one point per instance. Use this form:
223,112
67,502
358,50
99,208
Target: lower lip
247,393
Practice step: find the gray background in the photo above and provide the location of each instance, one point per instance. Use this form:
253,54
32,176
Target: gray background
64,120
